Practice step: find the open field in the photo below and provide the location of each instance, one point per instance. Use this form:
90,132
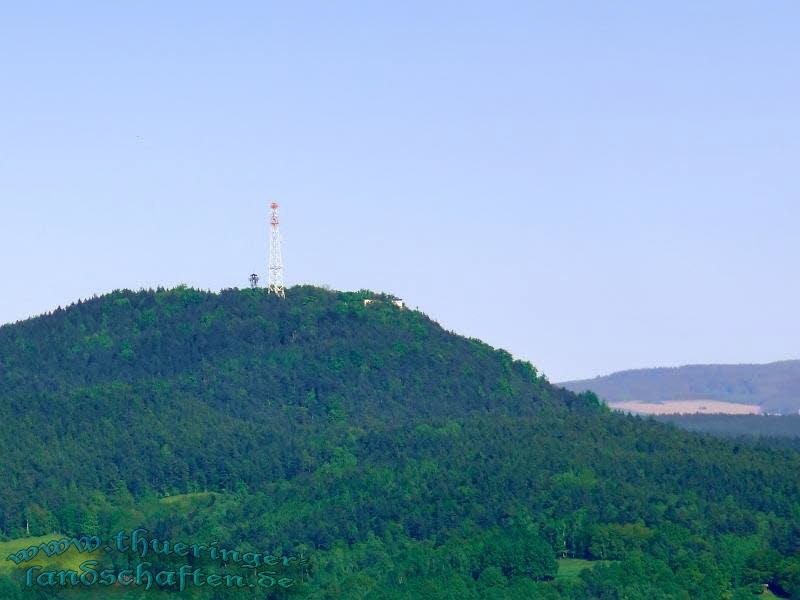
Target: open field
71,559
673,407
570,568
186,499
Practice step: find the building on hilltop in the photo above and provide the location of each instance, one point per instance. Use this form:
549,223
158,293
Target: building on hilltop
396,301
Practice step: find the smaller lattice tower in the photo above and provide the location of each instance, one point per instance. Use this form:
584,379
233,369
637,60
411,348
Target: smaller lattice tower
275,257
253,280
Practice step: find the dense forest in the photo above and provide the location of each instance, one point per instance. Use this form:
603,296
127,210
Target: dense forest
396,459
778,431
768,426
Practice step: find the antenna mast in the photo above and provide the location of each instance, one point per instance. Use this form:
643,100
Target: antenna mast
275,257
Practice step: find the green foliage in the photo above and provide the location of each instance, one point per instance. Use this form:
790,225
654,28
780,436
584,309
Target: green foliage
406,461
520,553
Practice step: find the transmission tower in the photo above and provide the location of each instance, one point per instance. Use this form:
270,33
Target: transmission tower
275,258
254,280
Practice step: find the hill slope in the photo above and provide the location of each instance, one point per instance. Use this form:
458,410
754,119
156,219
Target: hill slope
409,462
775,387
159,389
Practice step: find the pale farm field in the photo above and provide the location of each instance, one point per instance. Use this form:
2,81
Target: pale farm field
687,407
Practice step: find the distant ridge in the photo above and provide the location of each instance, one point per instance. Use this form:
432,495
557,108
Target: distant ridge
774,387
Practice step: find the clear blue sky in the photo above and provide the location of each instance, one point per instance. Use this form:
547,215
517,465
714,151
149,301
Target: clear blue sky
591,185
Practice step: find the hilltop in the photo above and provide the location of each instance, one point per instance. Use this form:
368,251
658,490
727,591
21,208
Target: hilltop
773,387
159,389
405,460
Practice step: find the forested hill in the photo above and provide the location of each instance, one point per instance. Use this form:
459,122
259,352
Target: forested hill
314,354
774,386
407,461
163,389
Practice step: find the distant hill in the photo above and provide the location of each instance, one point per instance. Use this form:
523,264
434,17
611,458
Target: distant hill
774,387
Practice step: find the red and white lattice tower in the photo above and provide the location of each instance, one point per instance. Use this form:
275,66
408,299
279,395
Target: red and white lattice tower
275,257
